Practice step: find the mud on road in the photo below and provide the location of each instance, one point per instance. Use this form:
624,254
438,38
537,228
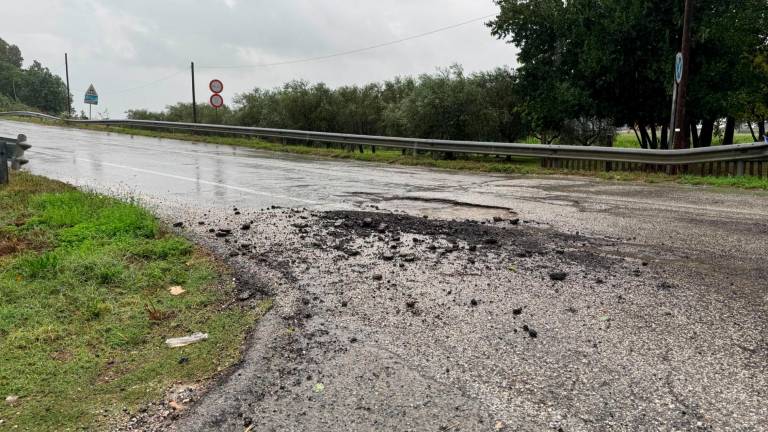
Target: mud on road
386,321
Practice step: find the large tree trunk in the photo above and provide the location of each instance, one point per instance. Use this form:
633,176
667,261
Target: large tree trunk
761,129
644,135
637,135
654,144
694,134
707,128
730,127
664,143
752,131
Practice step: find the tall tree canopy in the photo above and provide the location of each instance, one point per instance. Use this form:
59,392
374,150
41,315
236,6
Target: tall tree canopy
34,87
613,59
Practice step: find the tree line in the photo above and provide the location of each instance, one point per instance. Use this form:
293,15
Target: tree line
34,87
448,104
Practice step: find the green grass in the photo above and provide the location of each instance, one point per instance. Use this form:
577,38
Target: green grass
629,140
489,164
78,274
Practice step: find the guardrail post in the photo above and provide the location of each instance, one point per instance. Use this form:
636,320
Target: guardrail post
3,163
740,168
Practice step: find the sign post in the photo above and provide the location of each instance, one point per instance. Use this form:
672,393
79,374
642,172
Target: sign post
216,100
679,66
91,98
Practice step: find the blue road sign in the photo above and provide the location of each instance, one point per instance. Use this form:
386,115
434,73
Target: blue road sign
678,67
91,97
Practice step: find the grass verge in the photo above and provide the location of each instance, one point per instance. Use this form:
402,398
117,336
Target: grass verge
85,308
489,164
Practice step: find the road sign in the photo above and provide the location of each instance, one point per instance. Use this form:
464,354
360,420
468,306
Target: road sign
217,101
216,86
91,97
678,67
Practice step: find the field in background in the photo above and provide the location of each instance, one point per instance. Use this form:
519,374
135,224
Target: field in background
85,308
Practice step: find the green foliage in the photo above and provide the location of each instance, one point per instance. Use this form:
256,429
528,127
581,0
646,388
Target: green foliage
76,342
613,59
34,87
447,105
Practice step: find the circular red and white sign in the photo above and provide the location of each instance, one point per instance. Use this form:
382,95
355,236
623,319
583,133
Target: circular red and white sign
217,101
216,86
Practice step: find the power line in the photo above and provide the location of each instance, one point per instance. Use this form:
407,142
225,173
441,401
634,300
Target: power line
303,60
354,51
141,86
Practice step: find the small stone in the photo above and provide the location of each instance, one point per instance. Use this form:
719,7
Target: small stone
382,227
517,311
201,223
558,276
407,256
410,304
244,296
338,223
473,302
515,221
234,254
183,360
472,248
12,400
344,303
490,241
245,227
178,224
378,277
388,256
367,222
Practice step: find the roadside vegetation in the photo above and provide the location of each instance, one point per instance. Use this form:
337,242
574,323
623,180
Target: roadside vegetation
85,308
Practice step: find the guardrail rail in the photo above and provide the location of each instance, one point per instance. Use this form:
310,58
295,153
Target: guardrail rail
737,160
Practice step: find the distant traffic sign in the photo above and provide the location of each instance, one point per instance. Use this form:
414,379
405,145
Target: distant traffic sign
678,67
216,86
217,101
91,97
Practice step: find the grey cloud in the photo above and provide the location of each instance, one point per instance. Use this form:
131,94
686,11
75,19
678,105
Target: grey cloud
124,44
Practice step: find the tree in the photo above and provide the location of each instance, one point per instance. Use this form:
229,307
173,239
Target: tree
42,89
10,54
613,59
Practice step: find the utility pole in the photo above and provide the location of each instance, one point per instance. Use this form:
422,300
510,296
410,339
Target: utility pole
69,95
194,100
681,128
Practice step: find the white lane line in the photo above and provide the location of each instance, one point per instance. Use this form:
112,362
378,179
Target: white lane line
193,180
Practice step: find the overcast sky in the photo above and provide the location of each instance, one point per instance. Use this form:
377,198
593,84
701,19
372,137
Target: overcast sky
123,46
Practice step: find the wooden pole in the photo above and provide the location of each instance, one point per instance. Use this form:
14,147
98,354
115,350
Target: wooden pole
194,98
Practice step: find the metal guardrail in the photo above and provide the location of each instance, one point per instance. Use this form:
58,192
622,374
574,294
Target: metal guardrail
738,152
12,149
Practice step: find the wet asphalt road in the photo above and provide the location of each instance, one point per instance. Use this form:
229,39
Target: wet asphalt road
661,323
216,176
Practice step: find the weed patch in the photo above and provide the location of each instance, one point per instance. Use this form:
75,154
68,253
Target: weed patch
85,308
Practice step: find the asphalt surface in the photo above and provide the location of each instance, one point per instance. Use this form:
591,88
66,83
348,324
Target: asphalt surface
586,305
